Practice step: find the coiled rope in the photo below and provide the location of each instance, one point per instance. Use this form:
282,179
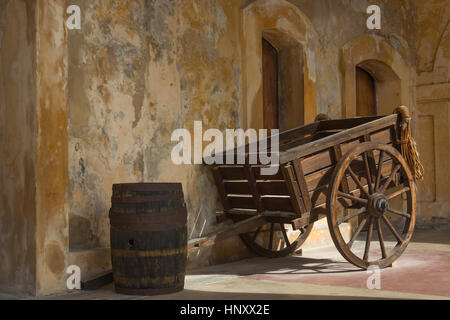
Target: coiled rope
407,143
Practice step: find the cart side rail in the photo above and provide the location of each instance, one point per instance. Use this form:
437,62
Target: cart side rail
348,133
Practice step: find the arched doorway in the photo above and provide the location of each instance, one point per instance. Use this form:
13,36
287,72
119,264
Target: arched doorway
378,88
376,81
277,31
373,56
366,96
283,83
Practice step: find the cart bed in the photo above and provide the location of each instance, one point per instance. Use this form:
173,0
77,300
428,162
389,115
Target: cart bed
308,155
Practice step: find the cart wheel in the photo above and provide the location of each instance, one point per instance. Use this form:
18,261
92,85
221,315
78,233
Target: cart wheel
379,185
273,248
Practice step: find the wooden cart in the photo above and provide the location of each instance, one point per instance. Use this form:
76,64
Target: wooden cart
349,170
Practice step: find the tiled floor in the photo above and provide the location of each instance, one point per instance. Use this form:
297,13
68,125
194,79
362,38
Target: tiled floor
422,272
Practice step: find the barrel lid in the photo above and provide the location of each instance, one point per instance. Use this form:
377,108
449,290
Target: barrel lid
153,186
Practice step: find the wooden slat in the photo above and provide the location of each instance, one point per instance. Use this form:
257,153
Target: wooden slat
271,216
338,155
298,132
383,136
283,137
277,204
220,187
241,202
273,188
371,166
344,185
231,172
343,124
253,188
318,179
317,161
337,138
324,159
293,189
237,187
302,184
360,127
259,176
297,142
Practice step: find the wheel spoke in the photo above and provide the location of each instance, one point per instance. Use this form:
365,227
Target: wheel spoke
351,197
368,173
357,232
389,180
356,180
399,213
391,227
397,193
380,166
381,239
256,233
271,237
344,203
286,239
368,239
352,215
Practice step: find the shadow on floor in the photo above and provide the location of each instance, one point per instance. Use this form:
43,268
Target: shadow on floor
107,293
285,265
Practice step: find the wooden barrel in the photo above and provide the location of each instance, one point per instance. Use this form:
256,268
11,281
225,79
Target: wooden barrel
148,238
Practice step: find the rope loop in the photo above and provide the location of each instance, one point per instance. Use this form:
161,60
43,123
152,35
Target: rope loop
407,143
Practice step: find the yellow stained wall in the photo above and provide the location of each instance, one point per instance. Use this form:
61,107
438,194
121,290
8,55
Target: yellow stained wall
432,117
17,146
140,69
107,98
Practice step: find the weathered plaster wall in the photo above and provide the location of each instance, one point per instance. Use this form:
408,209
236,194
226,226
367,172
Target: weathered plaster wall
338,23
140,69
17,137
109,96
137,71
51,147
433,106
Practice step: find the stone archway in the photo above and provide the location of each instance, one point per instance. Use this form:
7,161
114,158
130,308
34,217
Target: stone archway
288,29
375,55
391,74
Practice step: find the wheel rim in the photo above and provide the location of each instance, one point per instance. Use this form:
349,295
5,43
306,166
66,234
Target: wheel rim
366,185
276,244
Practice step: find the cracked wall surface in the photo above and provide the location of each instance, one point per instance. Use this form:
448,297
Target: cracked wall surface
18,143
92,107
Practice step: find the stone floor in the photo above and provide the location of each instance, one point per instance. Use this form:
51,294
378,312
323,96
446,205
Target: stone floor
422,272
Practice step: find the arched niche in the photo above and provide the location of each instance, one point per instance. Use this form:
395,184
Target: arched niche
383,62
292,34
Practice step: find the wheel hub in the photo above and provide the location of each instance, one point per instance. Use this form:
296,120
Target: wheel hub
382,205
378,205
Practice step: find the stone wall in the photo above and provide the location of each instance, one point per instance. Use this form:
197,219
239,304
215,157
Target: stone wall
17,148
137,71
104,100
433,106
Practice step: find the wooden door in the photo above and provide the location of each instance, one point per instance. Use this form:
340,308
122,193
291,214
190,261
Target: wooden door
366,101
270,85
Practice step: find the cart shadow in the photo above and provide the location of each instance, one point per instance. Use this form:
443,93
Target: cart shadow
292,265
